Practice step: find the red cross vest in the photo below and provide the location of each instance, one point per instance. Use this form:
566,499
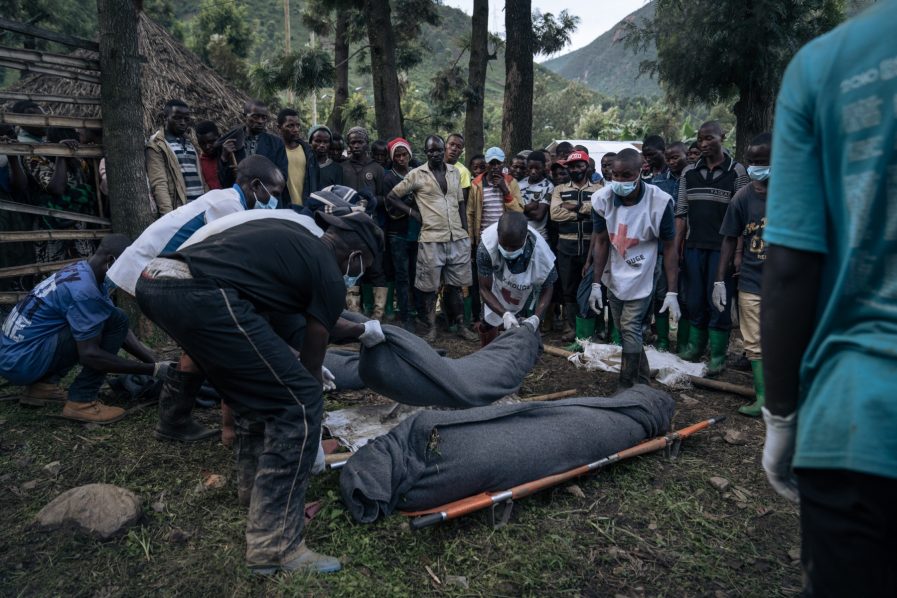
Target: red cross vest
634,233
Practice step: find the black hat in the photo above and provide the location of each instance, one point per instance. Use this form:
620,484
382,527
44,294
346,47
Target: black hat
357,222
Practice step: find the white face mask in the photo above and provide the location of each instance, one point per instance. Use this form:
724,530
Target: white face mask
510,255
623,188
758,173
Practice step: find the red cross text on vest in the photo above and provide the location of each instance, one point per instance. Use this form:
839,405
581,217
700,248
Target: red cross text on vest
621,241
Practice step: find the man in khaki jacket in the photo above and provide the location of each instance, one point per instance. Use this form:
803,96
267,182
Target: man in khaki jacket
172,160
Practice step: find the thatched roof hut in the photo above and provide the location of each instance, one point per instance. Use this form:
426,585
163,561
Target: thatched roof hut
170,71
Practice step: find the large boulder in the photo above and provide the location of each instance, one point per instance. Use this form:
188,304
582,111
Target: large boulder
101,510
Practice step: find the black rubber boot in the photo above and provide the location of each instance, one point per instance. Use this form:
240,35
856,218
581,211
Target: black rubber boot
629,369
175,404
644,370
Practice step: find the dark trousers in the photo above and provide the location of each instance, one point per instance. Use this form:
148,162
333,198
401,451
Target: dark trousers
700,274
86,385
848,533
476,304
417,296
570,272
398,250
277,402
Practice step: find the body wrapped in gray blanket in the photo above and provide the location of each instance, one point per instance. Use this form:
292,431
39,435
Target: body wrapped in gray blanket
436,457
343,364
408,370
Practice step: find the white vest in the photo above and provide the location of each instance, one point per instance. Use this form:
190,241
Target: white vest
512,290
232,220
634,233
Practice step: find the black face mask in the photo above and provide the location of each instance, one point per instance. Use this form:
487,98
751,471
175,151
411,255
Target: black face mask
577,176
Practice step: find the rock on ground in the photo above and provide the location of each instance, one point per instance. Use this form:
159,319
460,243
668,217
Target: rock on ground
101,510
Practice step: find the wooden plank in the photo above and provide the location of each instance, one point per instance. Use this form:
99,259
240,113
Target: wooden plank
43,68
41,97
26,209
52,235
36,56
51,150
49,120
53,36
46,268
11,298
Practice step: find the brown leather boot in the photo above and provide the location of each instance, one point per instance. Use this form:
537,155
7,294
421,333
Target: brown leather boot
353,299
380,295
94,412
43,394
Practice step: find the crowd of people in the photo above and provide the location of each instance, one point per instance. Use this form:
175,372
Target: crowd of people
267,231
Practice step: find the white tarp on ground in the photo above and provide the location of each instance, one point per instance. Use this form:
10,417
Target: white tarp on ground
356,426
671,371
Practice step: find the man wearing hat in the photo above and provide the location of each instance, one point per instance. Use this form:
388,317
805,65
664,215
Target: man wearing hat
571,209
492,194
216,299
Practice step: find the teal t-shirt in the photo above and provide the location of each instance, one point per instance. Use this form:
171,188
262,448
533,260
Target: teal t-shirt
833,190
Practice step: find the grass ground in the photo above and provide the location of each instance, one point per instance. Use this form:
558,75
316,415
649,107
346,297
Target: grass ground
648,527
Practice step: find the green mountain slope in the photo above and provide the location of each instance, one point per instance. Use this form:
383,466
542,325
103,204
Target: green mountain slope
607,66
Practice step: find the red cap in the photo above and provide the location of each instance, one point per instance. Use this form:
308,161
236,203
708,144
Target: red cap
577,156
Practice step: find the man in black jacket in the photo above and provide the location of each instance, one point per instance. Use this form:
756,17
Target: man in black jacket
249,139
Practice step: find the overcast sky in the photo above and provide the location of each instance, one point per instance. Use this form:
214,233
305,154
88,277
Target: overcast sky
596,16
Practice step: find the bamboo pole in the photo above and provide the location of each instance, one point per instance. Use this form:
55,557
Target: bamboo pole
51,98
51,150
49,120
11,298
10,206
52,235
49,58
45,268
53,36
44,68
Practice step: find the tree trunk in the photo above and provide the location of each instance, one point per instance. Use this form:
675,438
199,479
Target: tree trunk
336,121
517,112
753,115
387,96
476,79
122,108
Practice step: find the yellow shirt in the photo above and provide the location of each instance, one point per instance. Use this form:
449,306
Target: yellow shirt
296,172
465,174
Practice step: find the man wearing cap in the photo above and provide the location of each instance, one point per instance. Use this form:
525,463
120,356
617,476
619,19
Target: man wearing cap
215,298
443,256
401,231
492,194
571,210
513,262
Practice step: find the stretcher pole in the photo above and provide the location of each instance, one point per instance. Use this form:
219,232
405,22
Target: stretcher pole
484,500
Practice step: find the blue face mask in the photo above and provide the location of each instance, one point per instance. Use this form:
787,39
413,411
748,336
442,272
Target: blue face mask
510,255
758,173
352,281
270,204
623,188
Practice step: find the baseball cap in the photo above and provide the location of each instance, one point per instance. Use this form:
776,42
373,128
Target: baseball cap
357,222
494,153
577,156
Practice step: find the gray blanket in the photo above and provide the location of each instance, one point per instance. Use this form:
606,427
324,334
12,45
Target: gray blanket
343,364
436,457
408,370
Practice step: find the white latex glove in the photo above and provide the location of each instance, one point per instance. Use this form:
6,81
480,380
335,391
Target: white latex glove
160,369
596,301
329,379
372,335
509,321
719,296
671,303
532,323
778,452
320,464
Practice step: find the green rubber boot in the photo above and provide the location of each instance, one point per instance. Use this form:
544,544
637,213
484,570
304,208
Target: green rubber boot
367,299
599,326
615,337
390,301
585,328
662,322
753,410
719,349
468,310
697,344
682,335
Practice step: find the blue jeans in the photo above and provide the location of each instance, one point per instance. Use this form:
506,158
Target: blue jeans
700,274
87,383
628,317
398,248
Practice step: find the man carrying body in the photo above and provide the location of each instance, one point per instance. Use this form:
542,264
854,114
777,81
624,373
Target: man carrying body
829,319
172,160
746,219
302,167
66,320
249,139
443,255
571,210
705,190
514,262
631,219
258,183
215,298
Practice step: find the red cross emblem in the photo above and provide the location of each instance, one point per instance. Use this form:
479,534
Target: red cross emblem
621,241
509,299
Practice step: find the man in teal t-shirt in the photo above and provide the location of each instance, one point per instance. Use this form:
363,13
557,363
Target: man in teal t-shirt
830,305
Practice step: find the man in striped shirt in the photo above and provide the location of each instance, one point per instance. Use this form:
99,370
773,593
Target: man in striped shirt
705,190
172,161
